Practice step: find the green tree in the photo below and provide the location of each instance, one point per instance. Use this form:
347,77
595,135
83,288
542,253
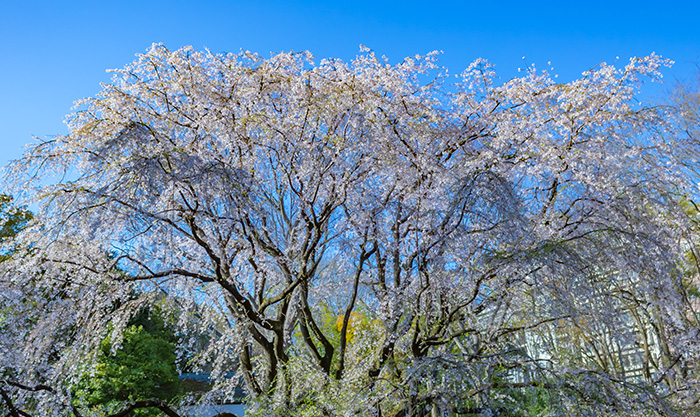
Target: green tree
12,220
142,368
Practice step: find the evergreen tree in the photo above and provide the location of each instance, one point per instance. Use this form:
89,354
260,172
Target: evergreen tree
142,368
12,220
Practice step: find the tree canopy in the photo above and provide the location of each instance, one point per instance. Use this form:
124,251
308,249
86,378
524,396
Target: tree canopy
367,238
142,368
12,220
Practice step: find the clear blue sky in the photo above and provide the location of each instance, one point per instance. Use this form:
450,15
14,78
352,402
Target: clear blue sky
55,52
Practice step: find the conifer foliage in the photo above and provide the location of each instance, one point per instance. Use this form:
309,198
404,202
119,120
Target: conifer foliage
141,368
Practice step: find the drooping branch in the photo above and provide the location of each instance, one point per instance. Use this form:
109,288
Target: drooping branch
364,255
32,388
153,403
14,411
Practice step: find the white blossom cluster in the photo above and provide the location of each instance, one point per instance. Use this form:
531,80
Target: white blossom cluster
364,238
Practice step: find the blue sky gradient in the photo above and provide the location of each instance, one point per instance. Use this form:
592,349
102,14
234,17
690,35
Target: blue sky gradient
55,52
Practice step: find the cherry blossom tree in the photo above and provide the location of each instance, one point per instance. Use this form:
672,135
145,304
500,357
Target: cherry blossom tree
363,238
